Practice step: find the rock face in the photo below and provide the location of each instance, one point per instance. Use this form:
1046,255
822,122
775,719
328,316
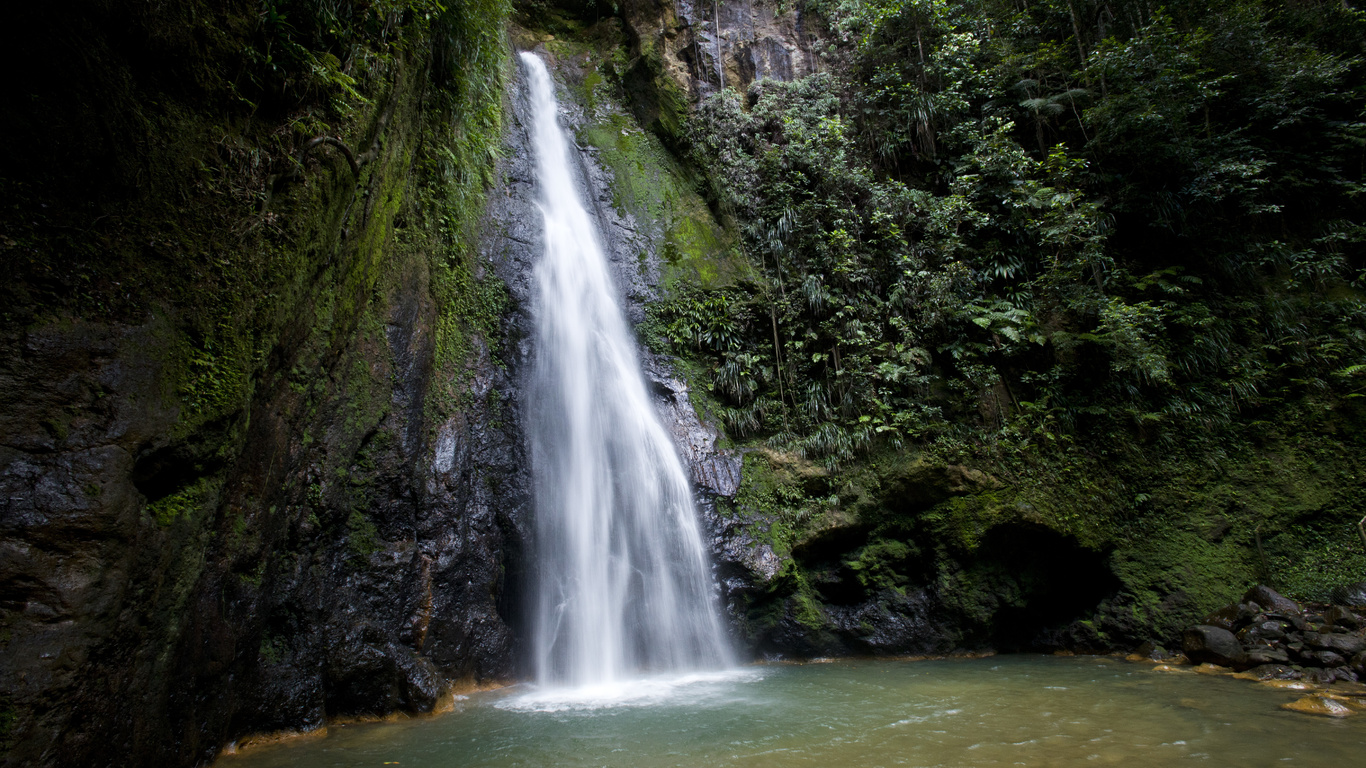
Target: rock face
705,46
342,538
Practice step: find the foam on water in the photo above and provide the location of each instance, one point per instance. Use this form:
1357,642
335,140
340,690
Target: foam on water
697,688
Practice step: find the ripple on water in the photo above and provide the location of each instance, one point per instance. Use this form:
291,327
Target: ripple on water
1026,710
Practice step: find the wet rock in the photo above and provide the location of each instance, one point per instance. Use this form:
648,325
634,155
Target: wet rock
1262,633
1270,600
1359,663
1339,643
1274,671
1204,643
1310,657
1318,675
288,575
1260,657
1295,620
1296,684
1356,703
1319,705
1351,595
1230,617
1341,617
1151,650
892,623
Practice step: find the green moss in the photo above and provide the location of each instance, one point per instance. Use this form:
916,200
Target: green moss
1309,560
9,719
362,536
808,610
773,503
651,186
882,564
272,649
961,521
466,131
184,503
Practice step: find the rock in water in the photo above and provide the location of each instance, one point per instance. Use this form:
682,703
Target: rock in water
1213,645
1271,600
1319,705
1277,672
1151,650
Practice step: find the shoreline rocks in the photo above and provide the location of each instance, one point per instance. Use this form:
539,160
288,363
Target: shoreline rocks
1270,636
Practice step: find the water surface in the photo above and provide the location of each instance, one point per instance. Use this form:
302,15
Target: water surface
1002,711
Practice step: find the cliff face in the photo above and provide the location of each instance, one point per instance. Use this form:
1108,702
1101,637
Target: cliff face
262,457
261,453
257,466
947,540
707,46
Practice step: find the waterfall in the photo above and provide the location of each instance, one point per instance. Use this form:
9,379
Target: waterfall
623,582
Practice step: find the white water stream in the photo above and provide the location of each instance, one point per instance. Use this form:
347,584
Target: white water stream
623,583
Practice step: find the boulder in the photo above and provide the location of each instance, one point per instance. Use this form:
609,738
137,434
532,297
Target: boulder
1341,617
1231,617
1294,620
1151,650
1279,671
1319,676
1321,658
1262,633
1270,600
1338,642
1213,645
1359,663
1319,705
1261,657
1350,594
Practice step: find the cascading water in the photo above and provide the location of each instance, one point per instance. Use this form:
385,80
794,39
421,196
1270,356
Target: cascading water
623,581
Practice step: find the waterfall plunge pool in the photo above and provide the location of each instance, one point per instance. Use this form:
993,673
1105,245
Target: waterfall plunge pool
998,711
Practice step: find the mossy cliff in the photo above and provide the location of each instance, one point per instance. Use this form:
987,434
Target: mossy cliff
256,469
264,305
978,513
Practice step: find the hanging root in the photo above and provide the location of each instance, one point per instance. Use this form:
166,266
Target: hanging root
334,142
275,182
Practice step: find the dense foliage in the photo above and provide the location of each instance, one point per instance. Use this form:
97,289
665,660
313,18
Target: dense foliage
992,223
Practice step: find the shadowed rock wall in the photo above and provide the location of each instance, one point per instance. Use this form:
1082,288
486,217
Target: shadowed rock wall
243,486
